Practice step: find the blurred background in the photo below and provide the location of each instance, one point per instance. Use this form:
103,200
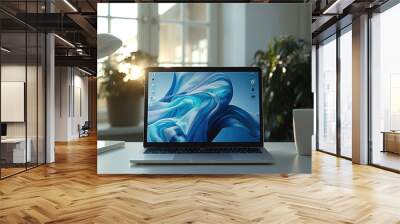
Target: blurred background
275,37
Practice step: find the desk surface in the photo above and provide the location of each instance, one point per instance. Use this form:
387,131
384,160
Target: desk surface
286,160
13,140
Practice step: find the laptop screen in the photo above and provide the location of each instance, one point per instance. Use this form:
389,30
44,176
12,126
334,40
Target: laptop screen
3,129
196,107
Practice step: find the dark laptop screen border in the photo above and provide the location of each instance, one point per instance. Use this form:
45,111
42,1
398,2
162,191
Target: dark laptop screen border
203,144
3,129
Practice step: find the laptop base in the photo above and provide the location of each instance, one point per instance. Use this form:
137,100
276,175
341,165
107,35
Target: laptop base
203,158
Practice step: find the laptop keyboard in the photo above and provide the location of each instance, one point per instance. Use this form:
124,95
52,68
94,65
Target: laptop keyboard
200,150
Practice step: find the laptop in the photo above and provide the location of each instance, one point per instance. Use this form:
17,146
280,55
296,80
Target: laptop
203,115
3,131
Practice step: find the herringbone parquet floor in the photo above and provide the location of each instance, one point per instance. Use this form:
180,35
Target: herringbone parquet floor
69,191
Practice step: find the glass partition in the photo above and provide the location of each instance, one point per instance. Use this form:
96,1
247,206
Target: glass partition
41,97
22,77
14,153
32,98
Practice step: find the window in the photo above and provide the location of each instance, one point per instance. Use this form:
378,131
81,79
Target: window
385,89
183,34
183,30
178,34
335,94
327,95
121,20
346,93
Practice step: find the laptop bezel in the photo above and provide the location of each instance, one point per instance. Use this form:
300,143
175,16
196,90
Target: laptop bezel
148,70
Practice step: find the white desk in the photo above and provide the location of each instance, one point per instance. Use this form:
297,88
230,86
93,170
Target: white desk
286,160
18,149
130,133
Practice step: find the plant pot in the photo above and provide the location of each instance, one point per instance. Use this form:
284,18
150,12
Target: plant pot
125,110
303,124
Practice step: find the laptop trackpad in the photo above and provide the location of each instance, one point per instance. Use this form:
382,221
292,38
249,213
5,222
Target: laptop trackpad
206,157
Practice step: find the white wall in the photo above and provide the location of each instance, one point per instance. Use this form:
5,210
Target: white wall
266,21
34,125
17,73
232,34
14,72
70,83
246,28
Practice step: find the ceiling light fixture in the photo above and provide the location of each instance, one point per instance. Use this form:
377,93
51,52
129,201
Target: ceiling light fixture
5,50
337,7
328,10
84,71
70,5
64,40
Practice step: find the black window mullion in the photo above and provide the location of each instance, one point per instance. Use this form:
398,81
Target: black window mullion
338,100
317,97
37,90
0,96
26,87
45,89
369,100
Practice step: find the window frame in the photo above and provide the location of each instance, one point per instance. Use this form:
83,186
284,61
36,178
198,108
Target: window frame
109,18
335,36
149,26
371,15
185,25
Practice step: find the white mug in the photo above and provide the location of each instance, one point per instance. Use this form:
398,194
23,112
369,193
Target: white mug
303,124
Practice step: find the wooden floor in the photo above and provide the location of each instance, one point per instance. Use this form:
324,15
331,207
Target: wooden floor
387,159
5,172
70,191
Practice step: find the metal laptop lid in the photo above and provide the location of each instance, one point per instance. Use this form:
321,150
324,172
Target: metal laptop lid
203,106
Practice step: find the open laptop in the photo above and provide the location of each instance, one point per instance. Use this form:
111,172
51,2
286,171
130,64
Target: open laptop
3,131
203,115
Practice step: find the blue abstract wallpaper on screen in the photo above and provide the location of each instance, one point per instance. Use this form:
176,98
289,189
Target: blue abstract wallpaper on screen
203,107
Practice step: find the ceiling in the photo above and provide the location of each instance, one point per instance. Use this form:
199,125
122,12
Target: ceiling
331,15
74,22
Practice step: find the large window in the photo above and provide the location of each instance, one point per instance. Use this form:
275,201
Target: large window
182,31
183,34
177,34
122,21
385,89
345,42
335,94
327,95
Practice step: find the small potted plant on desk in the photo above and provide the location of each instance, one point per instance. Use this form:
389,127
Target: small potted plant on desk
122,85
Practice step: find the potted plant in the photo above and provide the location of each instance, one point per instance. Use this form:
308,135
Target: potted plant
122,85
286,72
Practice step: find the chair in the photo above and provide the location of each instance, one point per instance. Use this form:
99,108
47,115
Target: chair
84,130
